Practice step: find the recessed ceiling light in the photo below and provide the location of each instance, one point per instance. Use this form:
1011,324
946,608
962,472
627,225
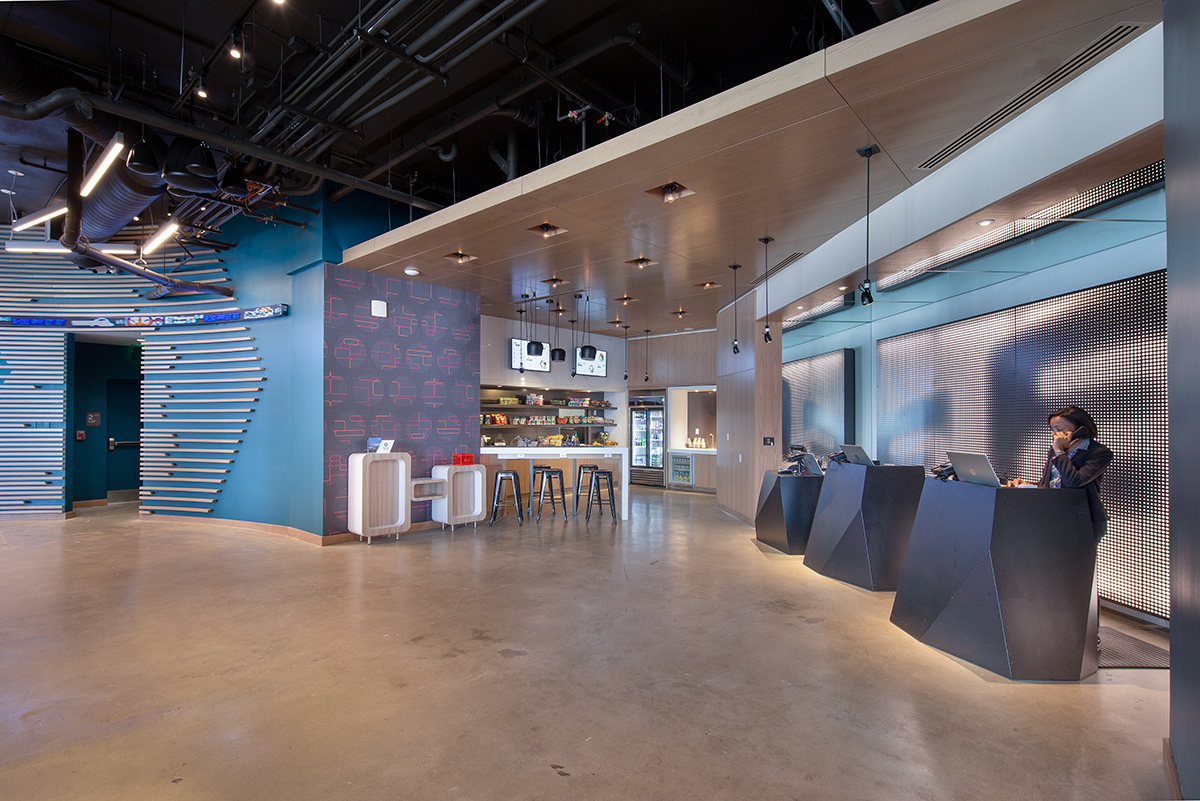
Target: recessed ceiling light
708,285
641,262
460,257
411,271
625,299
547,230
799,307
842,288
984,223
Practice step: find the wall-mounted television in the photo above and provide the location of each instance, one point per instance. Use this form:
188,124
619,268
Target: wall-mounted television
521,358
597,366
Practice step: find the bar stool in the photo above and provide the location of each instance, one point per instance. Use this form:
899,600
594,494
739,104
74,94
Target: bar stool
501,476
549,475
536,472
594,491
583,468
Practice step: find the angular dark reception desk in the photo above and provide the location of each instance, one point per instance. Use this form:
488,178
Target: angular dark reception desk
1003,578
786,505
862,524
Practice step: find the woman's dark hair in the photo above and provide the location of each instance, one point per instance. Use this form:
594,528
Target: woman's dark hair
1080,418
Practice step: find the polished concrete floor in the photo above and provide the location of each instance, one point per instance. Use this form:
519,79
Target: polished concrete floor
668,656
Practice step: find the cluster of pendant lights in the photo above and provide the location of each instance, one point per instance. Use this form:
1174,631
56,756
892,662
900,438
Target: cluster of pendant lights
587,351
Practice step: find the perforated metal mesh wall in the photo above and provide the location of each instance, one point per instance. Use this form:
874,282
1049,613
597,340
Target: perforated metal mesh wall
816,392
987,383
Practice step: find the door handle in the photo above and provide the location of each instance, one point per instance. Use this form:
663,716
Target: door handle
112,444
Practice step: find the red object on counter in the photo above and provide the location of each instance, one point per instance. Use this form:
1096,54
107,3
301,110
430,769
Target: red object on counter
463,459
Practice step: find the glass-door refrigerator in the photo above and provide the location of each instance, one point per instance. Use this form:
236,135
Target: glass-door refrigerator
647,426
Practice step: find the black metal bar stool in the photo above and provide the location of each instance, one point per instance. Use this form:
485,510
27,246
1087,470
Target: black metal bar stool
515,478
583,468
549,475
534,474
594,492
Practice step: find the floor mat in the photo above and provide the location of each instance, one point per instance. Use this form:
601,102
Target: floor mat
1120,650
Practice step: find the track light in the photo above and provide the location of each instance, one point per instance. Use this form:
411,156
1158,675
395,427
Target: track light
111,151
766,240
736,349
866,298
735,268
647,333
164,233
235,48
201,88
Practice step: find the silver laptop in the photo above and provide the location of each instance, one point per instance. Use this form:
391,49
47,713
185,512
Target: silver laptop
855,454
813,465
973,468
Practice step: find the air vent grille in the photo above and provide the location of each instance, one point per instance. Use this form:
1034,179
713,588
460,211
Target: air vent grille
1070,68
771,272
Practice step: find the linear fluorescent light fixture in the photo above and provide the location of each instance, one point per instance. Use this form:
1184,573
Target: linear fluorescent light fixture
164,233
39,217
54,247
111,151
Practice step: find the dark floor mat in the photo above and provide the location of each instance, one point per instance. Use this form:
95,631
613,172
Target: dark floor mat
1120,650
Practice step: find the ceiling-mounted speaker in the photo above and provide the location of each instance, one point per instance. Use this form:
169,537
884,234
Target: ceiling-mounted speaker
587,352
176,172
233,183
558,355
200,162
142,160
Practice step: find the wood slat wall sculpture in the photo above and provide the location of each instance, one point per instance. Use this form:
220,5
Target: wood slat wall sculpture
33,393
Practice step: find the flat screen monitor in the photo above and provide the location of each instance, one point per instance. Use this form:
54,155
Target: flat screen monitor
521,358
597,366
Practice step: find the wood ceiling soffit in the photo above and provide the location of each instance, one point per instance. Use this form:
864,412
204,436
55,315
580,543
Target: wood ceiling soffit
950,35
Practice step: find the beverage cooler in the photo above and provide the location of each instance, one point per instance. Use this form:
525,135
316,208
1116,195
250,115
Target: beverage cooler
647,427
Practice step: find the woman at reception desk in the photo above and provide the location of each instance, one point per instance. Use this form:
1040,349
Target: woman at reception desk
1006,579
1076,461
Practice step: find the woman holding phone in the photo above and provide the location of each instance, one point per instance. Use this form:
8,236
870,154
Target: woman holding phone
1076,460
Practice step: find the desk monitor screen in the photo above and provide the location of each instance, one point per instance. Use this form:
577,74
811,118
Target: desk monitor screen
856,454
973,468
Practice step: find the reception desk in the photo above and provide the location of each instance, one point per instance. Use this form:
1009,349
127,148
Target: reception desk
862,523
1003,578
786,505
614,456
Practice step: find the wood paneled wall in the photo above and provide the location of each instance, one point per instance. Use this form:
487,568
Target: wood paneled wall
749,408
680,360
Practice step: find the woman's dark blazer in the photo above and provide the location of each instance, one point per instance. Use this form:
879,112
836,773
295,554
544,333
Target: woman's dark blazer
1083,470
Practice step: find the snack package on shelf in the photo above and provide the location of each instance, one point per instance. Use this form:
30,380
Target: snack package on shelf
507,401
533,400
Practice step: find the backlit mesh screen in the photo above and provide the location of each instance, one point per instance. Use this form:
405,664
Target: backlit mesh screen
986,384
815,395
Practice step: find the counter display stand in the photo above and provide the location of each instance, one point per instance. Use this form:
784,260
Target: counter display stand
786,505
862,524
378,499
1003,578
464,496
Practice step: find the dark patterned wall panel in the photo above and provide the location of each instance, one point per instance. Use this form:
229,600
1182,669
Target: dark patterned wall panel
986,385
818,401
412,376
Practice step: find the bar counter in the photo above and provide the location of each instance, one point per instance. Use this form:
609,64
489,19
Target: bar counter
492,456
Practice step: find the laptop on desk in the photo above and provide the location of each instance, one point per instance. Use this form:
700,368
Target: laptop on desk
855,454
973,468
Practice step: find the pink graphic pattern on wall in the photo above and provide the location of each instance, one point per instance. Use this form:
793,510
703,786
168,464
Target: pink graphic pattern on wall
412,376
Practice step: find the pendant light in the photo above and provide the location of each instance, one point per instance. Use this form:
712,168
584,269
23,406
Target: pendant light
557,354
766,240
521,312
626,352
866,298
141,158
588,351
572,322
647,333
735,268
532,347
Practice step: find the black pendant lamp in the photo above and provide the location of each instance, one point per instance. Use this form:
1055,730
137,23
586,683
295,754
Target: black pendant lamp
532,347
647,333
626,352
233,183
572,322
866,298
766,240
177,173
588,351
521,312
735,268
201,162
557,354
141,159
